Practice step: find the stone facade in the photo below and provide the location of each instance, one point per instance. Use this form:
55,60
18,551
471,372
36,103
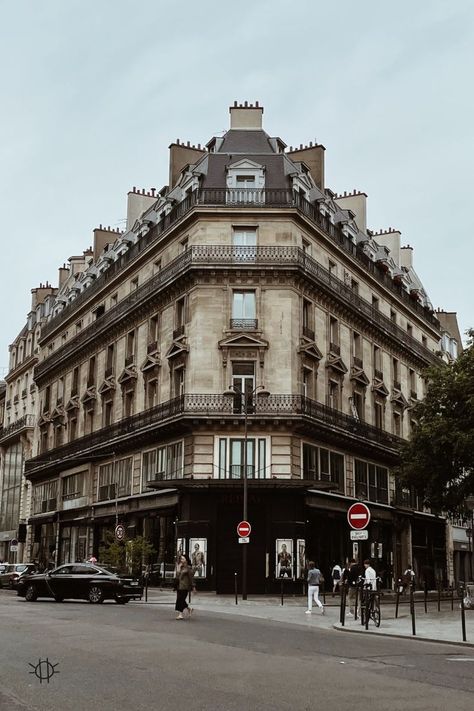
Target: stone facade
246,272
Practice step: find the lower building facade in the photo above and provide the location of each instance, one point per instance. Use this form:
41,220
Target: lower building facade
174,474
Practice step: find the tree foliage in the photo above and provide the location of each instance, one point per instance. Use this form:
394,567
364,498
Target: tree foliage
127,557
439,459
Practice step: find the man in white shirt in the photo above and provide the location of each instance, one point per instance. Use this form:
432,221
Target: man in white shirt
370,576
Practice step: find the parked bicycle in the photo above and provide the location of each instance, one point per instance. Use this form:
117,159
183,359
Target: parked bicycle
370,605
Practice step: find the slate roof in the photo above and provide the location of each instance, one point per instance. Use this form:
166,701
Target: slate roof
236,141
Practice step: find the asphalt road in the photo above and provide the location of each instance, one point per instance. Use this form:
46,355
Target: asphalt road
139,657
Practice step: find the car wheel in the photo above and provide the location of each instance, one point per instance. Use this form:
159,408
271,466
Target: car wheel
31,595
95,595
121,600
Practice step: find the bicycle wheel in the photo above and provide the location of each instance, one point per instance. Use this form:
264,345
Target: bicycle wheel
376,615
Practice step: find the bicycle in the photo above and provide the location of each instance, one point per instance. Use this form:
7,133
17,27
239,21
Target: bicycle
370,605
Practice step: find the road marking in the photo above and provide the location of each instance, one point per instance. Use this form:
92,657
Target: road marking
460,659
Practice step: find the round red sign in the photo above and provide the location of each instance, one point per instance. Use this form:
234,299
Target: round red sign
358,516
243,529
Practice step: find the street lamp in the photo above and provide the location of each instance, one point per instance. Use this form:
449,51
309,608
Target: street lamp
470,506
246,400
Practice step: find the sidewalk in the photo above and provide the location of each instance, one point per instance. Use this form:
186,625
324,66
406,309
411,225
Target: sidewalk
444,626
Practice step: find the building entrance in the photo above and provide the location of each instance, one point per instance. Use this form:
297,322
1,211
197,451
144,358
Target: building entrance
229,551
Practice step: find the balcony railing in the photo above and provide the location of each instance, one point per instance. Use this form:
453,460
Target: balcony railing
215,256
262,199
217,406
244,324
22,423
308,333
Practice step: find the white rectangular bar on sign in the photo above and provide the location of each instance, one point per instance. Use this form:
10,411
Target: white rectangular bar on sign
244,539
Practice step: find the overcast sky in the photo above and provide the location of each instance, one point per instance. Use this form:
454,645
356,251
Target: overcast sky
93,92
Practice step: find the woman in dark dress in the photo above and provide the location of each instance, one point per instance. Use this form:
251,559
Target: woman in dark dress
184,585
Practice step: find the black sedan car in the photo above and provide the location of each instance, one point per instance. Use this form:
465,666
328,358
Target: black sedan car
81,581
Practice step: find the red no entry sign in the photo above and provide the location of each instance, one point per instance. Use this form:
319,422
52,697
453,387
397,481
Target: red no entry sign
358,516
243,529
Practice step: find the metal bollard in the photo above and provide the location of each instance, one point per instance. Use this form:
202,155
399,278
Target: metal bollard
235,589
452,598
146,586
463,613
367,609
439,595
356,608
412,609
425,595
343,590
397,599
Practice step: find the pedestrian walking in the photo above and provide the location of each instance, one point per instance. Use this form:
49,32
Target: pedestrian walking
351,576
184,584
315,578
336,575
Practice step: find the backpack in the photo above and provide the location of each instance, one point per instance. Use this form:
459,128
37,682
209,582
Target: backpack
336,575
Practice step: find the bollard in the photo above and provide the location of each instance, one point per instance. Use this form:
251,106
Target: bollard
439,595
426,596
281,586
323,591
367,608
452,598
146,587
397,599
463,613
343,590
356,608
412,609
235,589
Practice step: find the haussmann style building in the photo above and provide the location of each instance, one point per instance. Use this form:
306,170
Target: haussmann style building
245,315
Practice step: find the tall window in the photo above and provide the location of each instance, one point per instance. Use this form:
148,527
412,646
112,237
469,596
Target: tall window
178,381
378,363
128,403
244,237
378,415
162,463
244,309
243,380
371,482
396,373
320,464
397,424
334,334
231,458
11,491
333,394
115,479
107,412
357,348
130,352
91,372
75,382
109,365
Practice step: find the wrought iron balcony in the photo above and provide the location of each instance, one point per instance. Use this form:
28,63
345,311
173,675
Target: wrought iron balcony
27,421
244,324
209,257
232,198
207,407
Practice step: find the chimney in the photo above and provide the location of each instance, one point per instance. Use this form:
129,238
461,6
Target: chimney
137,202
313,156
63,273
406,256
102,237
357,202
390,239
246,117
40,293
77,264
180,156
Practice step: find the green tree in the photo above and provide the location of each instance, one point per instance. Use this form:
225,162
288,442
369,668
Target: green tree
127,557
438,461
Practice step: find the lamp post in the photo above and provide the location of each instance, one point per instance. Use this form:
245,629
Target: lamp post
246,400
470,506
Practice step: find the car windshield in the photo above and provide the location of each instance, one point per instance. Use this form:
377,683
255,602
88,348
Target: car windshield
20,568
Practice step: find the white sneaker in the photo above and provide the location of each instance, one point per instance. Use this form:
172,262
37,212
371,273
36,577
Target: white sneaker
322,610
307,612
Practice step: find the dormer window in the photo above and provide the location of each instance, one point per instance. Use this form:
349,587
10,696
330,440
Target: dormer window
245,182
